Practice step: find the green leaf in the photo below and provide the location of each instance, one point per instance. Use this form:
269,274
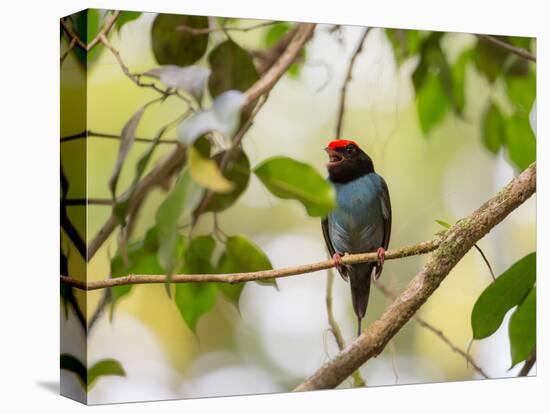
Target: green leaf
142,260
241,255
405,43
190,79
443,223
126,17
174,46
522,328
275,33
509,289
127,138
522,91
71,363
290,179
458,76
489,59
520,141
232,68
103,368
493,129
238,172
193,300
205,172
179,204
432,104
222,117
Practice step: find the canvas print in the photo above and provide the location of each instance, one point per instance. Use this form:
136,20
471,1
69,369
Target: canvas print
257,206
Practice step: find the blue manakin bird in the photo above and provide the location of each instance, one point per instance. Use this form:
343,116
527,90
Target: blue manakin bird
361,220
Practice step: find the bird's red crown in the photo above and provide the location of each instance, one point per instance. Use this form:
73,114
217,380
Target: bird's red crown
341,143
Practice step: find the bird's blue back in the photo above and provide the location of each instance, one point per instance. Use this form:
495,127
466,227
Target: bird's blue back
357,223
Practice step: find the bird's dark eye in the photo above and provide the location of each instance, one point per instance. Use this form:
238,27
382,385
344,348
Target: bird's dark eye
350,149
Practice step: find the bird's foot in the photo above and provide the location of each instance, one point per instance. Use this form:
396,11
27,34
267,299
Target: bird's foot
337,257
381,254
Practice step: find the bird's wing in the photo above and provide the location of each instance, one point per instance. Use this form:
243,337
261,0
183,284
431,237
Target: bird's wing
330,247
386,213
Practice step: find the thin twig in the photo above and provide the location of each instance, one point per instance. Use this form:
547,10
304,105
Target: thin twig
421,248
104,30
70,47
457,241
343,93
486,261
88,201
529,363
86,134
358,381
518,51
72,35
423,323
205,30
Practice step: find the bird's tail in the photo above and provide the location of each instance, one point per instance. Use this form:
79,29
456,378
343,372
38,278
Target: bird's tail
360,280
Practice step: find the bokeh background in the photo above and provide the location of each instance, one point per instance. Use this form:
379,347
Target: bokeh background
279,337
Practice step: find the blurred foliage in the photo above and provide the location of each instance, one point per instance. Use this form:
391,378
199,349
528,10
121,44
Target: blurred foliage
88,377
440,87
515,287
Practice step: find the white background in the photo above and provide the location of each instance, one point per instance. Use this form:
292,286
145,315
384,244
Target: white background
29,290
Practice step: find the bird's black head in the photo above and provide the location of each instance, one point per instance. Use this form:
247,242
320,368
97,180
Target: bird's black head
347,161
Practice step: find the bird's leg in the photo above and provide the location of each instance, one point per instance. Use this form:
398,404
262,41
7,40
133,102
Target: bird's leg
337,257
381,254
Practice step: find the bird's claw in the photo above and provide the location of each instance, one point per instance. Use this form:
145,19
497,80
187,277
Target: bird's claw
337,257
381,255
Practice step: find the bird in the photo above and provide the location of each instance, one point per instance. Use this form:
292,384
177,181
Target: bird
360,221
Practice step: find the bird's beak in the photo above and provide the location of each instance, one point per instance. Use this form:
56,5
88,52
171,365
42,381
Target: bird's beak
334,157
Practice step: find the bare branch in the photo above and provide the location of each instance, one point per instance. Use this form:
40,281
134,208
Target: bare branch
518,51
457,241
347,80
423,323
274,73
85,134
104,30
421,248
529,363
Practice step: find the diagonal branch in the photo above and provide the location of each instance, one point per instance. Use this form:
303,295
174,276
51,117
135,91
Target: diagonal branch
518,51
347,80
232,278
457,241
423,323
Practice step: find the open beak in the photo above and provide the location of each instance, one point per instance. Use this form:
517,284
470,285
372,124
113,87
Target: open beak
334,157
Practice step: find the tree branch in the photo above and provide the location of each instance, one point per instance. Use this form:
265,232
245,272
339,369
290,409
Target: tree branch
456,242
86,134
423,323
347,80
104,30
276,71
518,51
529,363
233,278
